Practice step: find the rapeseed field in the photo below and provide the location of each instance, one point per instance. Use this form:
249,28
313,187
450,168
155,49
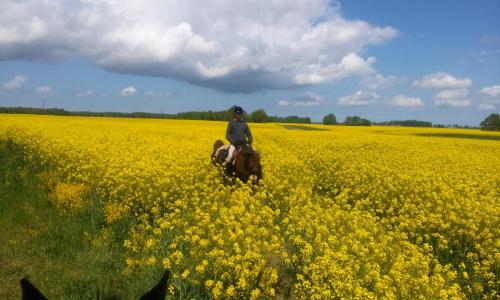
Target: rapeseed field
345,212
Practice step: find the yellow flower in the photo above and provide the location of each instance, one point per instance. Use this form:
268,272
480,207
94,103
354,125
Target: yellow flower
209,283
255,294
345,212
166,263
231,291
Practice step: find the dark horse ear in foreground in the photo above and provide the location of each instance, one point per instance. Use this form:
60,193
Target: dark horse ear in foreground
159,292
30,292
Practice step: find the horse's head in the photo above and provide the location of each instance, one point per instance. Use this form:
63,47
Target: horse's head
213,156
218,144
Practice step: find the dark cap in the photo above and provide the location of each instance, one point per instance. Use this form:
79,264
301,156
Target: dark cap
238,110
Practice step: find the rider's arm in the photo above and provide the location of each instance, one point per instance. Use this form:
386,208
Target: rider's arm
228,132
249,134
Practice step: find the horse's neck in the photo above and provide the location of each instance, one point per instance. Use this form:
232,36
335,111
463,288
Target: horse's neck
246,150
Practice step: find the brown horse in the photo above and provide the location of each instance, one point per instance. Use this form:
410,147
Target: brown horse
246,162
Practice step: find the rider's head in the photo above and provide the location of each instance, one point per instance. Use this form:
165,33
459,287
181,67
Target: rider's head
238,112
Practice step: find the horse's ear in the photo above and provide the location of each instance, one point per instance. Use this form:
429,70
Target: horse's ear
159,292
30,292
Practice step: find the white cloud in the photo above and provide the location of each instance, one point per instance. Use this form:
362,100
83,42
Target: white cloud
491,91
486,106
128,91
453,103
452,98
308,99
452,94
230,45
405,101
44,89
442,80
351,64
154,94
360,98
378,81
15,83
490,97
89,93
304,99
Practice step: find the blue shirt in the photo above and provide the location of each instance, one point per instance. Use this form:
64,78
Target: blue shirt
238,132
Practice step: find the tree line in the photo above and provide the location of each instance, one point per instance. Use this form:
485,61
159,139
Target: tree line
492,122
259,115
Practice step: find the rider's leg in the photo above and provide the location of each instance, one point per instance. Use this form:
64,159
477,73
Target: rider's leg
229,160
230,154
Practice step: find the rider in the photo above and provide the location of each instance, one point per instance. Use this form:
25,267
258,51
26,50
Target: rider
238,133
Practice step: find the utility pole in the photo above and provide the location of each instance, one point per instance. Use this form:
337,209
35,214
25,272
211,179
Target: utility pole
43,101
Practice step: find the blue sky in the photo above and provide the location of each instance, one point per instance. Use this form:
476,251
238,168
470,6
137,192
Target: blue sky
383,60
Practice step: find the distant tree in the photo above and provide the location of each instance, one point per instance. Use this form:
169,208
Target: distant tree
365,122
259,116
408,123
492,122
295,119
357,121
330,119
352,120
272,119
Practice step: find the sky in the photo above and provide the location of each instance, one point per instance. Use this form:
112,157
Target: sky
436,61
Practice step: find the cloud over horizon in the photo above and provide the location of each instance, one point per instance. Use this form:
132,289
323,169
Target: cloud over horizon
486,106
15,83
89,93
231,46
360,98
492,93
452,98
442,80
128,91
405,101
303,100
378,81
490,97
44,89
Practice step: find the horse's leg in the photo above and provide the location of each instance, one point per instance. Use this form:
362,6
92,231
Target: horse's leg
257,176
244,178
239,169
